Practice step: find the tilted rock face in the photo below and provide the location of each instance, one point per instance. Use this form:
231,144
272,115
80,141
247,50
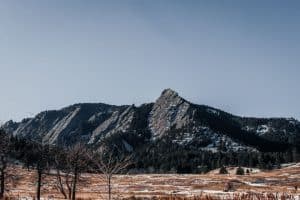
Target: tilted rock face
119,121
171,117
66,126
60,126
169,110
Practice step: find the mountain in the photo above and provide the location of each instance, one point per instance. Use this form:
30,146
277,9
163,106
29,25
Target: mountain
169,135
170,116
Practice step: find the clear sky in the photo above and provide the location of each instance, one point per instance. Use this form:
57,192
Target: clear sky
240,56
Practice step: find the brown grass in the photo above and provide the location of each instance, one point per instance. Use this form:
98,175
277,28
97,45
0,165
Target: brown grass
276,184
237,196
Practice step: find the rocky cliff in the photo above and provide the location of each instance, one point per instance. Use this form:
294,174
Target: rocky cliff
170,117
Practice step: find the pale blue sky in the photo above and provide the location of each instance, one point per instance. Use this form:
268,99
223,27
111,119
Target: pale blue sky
240,56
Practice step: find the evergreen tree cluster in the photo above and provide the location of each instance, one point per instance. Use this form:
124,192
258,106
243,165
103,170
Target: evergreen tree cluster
166,156
162,156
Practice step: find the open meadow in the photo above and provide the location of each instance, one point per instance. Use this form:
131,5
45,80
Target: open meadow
276,184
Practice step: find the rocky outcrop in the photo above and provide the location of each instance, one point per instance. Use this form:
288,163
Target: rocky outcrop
119,121
170,117
169,110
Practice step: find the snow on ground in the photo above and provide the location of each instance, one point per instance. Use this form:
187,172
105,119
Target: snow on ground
91,186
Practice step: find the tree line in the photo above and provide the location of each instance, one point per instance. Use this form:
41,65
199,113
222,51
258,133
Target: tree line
161,156
166,156
66,164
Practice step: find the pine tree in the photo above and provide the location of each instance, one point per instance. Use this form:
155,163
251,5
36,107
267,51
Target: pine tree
223,170
248,171
240,171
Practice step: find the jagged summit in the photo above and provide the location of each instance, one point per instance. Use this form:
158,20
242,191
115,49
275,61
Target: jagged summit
169,110
170,116
170,95
170,131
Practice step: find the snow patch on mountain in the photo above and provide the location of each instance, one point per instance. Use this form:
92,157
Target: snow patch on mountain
263,129
213,111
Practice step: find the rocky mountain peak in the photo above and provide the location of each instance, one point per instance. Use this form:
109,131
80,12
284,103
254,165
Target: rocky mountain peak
169,93
171,98
169,110
170,115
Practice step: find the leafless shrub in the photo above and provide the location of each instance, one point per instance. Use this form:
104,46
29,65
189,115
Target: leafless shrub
68,165
4,151
109,163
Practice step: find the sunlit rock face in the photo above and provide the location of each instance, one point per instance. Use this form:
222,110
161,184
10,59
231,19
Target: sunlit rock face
119,121
170,117
169,110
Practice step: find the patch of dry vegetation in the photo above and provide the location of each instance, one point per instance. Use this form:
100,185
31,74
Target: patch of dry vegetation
267,185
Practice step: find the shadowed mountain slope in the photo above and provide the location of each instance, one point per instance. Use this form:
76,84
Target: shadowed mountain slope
170,117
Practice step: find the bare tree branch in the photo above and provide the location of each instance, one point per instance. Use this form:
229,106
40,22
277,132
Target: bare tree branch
109,163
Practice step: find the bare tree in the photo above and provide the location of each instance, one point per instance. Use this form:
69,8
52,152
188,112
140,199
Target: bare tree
69,164
39,156
4,153
77,162
110,162
63,173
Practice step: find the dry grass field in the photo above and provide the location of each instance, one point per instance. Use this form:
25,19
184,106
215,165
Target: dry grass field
275,184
